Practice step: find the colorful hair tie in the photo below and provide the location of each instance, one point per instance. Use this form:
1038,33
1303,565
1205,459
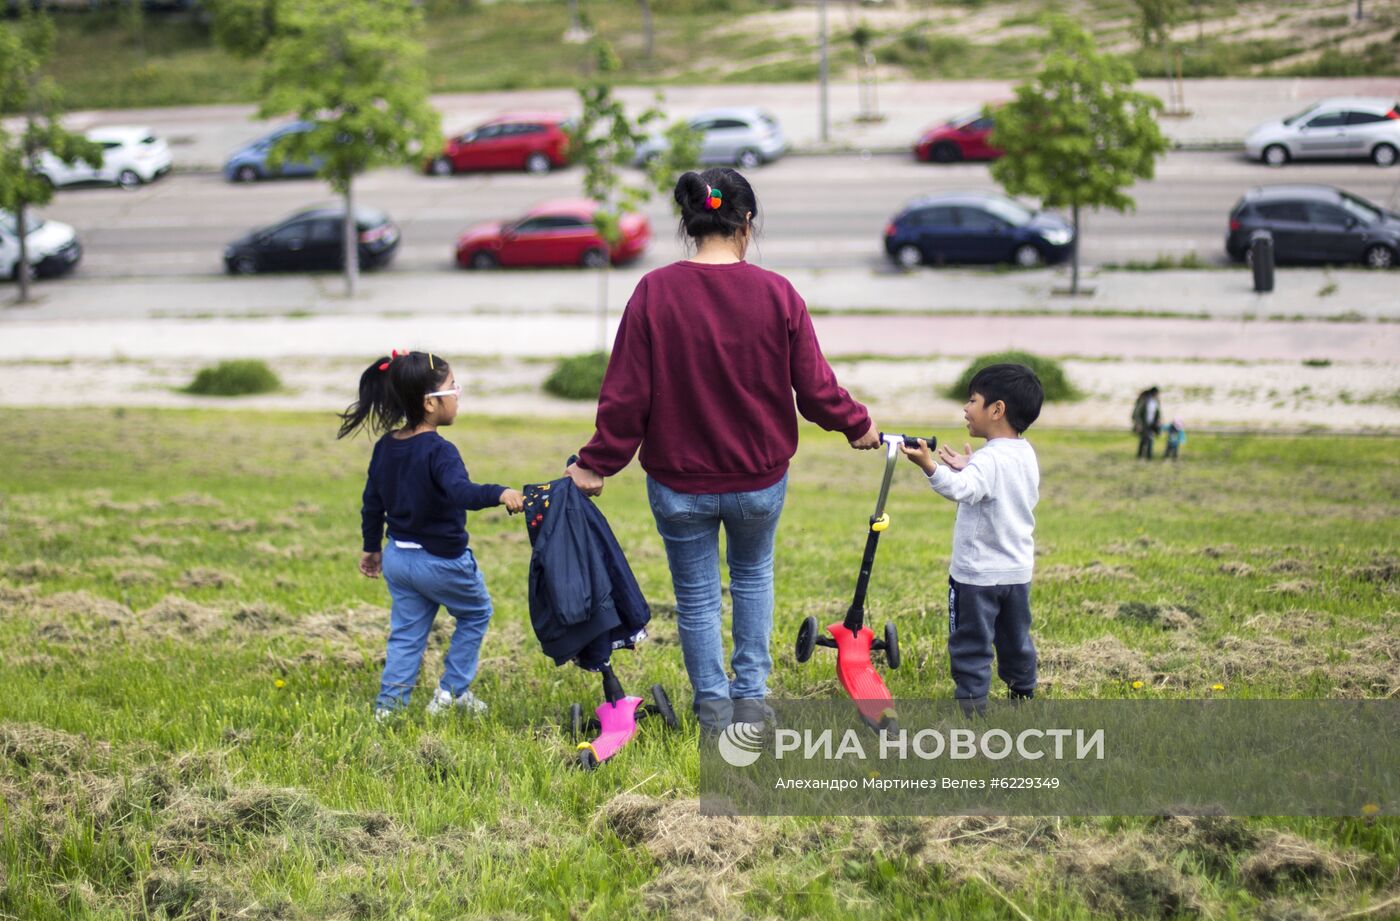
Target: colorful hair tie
714,198
384,366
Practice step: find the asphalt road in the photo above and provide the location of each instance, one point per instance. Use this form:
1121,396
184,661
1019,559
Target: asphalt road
818,211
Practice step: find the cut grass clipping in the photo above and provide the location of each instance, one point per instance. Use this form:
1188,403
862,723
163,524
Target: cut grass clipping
234,379
579,377
1051,374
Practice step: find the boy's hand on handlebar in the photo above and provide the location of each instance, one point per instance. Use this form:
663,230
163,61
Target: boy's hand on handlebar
920,455
512,500
371,564
954,460
871,438
590,483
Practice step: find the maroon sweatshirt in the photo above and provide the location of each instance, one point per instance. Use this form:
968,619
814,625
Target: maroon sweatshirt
702,376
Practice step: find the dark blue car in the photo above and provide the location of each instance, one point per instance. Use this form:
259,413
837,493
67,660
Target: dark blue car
249,163
965,227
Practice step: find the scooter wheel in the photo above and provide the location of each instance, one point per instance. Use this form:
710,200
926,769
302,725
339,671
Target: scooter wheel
575,721
806,639
587,760
663,706
892,645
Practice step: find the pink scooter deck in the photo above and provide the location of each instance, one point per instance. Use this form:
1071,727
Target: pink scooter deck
858,676
618,723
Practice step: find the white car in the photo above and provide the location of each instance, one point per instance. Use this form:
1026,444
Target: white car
744,136
1355,127
52,247
130,157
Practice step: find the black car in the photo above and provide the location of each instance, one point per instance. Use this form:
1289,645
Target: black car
312,240
975,227
1315,224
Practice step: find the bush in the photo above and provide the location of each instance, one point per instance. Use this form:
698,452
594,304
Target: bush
1052,376
579,377
234,379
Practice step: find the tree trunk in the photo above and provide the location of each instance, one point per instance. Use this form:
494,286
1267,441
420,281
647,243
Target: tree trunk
22,267
351,253
647,28
1074,260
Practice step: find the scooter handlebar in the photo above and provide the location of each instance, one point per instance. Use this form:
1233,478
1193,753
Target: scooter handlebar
890,437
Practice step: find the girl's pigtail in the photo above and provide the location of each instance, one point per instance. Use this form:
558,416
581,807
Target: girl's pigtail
376,405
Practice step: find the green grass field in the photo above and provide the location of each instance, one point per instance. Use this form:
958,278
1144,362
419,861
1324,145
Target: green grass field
188,658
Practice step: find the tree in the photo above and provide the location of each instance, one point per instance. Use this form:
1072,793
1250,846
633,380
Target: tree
354,69
1155,21
25,46
243,27
604,141
1077,134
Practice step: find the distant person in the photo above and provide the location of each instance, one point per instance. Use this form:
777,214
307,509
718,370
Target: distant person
989,577
1176,437
709,355
419,484
1147,421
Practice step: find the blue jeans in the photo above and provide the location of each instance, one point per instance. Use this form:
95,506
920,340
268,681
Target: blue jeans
419,583
689,526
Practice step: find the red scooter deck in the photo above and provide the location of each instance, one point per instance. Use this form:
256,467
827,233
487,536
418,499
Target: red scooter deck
859,677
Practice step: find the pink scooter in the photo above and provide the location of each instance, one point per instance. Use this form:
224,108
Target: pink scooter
616,720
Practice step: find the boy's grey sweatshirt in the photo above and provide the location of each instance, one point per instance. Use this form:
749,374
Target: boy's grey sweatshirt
993,542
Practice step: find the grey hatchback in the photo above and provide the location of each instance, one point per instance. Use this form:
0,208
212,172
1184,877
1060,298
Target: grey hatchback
1316,224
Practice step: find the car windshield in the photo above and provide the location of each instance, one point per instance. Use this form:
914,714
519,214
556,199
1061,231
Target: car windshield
1363,211
1301,115
1011,212
9,225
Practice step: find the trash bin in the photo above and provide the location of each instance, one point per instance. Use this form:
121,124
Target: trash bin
1261,260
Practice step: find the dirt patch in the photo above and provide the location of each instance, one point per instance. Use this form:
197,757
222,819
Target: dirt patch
197,500
234,525
37,571
203,577
1093,571
1236,568
1090,663
674,831
1284,860
1166,616
1125,878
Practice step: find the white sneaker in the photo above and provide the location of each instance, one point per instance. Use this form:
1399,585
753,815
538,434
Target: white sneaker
443,701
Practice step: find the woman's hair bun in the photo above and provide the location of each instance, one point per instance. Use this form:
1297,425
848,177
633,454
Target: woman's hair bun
691,191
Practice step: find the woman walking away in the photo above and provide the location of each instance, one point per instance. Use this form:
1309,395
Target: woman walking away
418,483
708,356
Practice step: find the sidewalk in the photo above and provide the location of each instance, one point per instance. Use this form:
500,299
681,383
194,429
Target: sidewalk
1222,111
1352,294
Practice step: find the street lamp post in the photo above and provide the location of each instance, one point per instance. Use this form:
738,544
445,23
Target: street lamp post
825,76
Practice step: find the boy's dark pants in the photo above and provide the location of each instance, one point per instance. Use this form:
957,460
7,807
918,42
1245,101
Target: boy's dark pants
983,618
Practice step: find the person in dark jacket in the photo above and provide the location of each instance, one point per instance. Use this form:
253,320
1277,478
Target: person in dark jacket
584,600
1147,421
707,359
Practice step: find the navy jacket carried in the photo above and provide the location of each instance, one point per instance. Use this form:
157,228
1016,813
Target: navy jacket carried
584,600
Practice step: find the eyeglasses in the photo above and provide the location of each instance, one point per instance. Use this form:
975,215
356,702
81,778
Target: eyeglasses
455,391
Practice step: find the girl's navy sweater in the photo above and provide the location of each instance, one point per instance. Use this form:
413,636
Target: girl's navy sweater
420,485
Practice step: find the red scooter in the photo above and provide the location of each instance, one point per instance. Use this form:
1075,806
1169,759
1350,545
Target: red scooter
852,640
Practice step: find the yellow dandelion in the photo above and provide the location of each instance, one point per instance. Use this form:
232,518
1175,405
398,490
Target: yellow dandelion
279,683
1137,685
1370,809
1217,687
874,775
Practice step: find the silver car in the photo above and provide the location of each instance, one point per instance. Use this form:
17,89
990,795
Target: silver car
745,137
1355,127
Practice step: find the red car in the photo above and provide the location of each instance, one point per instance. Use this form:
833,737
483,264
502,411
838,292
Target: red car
963,138
534,141
555,234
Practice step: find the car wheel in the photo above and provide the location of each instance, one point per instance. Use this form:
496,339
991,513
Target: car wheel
1383,155
483,261
1027,256
1275,155
246,174
128,179
440,166
537,164
944,152
909,256
1380,257
749,159
245,265
594,259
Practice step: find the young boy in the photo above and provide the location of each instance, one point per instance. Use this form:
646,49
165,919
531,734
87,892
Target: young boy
989,579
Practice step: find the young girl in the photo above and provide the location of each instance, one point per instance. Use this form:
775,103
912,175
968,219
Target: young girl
418,482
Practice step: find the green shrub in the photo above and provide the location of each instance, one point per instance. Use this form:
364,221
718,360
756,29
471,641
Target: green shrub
234,379
579,377
1051,374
